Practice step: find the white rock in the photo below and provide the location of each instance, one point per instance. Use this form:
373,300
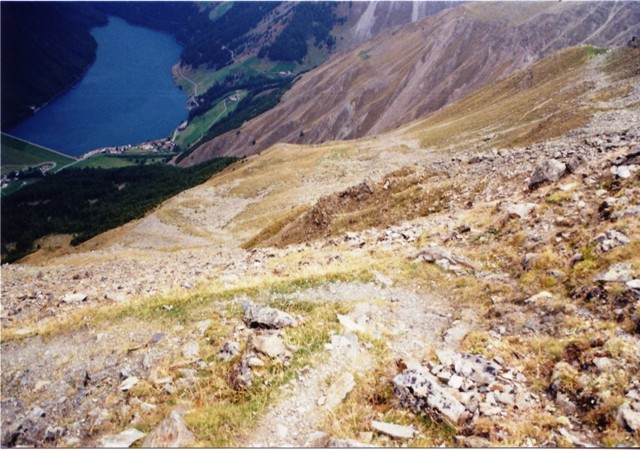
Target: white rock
446,357
603,364
349,325
620,272
544,295
633,284
522,210
504,398
629,417
270,345
339,389
456,382
623,172
203,325
171,432
281,431
191,349
255,362
124,439
74,298
128,384
393,430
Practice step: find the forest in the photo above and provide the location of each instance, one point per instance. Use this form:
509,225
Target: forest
46,48
310,20
87,202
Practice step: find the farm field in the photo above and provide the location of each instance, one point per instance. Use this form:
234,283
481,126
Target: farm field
200,124
18,154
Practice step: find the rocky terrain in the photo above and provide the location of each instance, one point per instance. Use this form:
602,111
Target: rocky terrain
408,72
399,290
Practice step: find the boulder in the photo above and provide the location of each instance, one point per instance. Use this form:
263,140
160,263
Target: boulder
619,272
128,384
270,345
627,416
611,239
256,316
623,172
191,349
444,258
549,170
421,392
171,432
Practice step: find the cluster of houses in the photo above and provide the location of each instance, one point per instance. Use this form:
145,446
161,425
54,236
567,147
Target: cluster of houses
159,145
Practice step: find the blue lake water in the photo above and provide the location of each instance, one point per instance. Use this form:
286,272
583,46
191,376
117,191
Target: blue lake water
127,96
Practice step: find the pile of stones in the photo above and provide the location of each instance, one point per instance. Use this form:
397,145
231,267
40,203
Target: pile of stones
461,388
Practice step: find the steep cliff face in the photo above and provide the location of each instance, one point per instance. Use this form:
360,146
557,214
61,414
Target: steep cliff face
408,72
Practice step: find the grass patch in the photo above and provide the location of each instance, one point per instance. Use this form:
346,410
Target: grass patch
222,416
199,125
177,308
18,154
364,54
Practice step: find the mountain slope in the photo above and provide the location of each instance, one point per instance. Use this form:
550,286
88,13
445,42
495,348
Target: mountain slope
46,48
421,255
414,70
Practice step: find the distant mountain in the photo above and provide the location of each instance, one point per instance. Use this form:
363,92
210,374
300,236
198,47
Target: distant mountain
410,71
46,48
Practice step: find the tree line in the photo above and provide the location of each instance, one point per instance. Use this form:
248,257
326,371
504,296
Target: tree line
87,202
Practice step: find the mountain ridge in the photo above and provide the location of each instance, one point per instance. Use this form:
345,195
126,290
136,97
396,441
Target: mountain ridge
366,91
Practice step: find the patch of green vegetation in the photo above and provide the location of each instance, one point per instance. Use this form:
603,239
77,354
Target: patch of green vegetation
18,154
118,161
593,51
259,99
364,55
103,162
87,202
224,415
200,124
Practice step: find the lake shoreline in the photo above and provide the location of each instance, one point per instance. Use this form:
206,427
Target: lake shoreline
126,122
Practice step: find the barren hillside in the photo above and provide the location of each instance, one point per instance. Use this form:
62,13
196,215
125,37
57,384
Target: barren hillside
411,71
469,279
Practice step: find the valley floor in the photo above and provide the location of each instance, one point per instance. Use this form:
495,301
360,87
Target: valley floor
470,298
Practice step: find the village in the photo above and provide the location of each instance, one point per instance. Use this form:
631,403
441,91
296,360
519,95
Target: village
156,146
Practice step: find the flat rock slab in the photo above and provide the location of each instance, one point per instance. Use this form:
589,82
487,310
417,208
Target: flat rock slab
270,345
124,439
128,384
339,390
74,298
393,430
616,273
171,432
